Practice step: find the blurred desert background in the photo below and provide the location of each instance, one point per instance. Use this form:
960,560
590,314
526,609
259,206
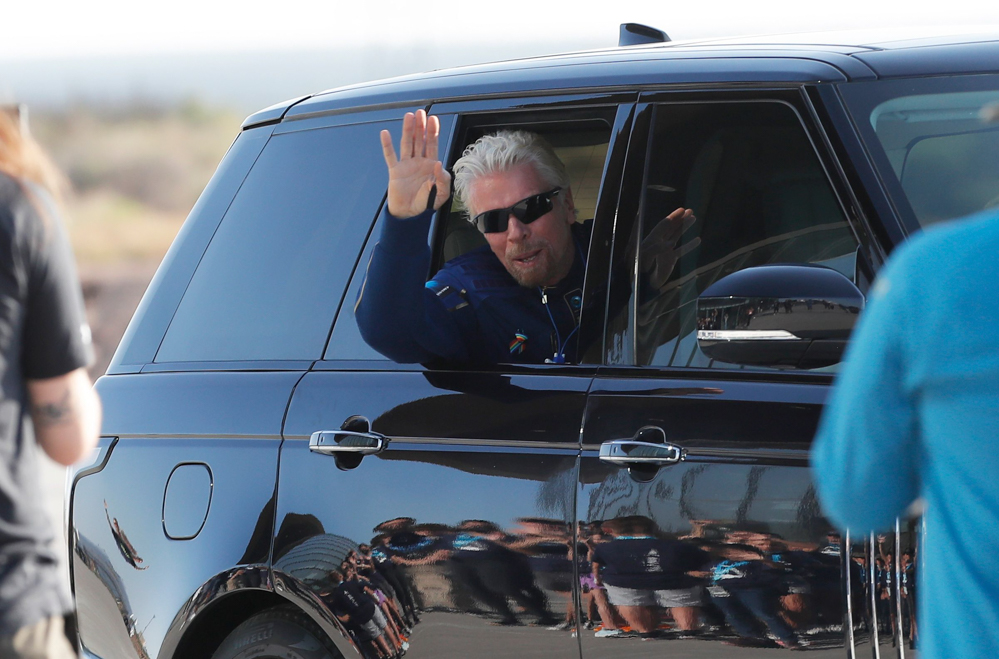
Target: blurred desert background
132,174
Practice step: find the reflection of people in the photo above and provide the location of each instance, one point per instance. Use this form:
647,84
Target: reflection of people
44,347
642,572
519,298
358,611
914,414
493,573
747,589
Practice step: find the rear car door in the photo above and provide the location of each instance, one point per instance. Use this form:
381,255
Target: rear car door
458,492
719,545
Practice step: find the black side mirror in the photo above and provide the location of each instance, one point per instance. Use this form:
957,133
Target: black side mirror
785,316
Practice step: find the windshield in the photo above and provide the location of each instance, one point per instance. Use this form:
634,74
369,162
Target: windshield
938,157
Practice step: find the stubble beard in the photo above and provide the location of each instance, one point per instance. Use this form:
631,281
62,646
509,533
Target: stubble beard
546,272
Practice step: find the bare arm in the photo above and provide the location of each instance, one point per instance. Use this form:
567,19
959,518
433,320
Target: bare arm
67,415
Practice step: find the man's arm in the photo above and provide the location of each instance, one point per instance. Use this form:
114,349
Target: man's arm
67,415
396,314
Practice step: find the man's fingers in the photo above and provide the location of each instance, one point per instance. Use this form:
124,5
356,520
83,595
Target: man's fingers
420,134
387,150
433,132
688,221
672,227
406,145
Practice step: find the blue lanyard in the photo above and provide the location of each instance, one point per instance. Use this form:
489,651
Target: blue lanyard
559,356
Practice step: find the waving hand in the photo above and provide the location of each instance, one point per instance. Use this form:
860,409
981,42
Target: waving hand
416,170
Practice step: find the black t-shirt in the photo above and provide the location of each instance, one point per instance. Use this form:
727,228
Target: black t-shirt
43,334
647,563
350,599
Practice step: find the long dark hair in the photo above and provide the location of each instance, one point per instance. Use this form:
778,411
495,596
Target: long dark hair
23,159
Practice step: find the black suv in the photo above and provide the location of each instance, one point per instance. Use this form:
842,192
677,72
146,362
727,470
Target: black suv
269,485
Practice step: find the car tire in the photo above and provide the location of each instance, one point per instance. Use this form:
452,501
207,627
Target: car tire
279,633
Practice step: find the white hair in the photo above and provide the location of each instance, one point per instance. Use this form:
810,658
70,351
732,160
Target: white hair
501,152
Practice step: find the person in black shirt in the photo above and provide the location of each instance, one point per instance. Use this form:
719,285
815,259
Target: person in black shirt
747,588
642,571
45,393
357,610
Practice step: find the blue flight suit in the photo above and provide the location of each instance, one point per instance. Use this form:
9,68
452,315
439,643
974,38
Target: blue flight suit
472,311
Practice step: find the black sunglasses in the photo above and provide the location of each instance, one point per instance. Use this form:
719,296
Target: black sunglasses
526,211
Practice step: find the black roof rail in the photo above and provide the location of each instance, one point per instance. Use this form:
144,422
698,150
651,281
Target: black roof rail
633,34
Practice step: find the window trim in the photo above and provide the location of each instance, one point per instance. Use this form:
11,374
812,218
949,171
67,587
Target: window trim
617,104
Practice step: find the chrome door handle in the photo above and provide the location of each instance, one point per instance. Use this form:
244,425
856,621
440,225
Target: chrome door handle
331,442
629,452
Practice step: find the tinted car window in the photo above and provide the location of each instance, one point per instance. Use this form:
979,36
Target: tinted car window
753,179
346,342
270,282
928,136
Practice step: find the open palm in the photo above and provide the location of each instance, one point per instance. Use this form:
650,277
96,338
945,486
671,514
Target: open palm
416,170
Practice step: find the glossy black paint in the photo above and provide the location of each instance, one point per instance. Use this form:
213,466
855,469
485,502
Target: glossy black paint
138,590
767,572
501,462
749,316
468,513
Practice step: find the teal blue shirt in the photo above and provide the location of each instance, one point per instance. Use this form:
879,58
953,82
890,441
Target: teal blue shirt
915,413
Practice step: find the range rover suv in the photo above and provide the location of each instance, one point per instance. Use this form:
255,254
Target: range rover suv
270,486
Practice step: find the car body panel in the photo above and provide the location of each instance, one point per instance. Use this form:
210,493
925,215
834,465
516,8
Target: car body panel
503,460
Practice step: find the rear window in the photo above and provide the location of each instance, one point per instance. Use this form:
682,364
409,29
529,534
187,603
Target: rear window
273,276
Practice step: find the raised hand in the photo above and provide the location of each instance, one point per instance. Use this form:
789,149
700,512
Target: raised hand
416,170
659,251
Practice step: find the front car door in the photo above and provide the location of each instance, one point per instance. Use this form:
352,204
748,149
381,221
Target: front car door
726,549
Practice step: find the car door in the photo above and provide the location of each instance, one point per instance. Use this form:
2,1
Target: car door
453,486
716,543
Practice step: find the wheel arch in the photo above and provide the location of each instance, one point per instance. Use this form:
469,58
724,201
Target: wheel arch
227,599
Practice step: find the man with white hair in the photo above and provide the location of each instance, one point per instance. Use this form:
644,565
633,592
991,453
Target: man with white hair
518,299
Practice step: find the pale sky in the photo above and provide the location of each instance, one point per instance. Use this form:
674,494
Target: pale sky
62,28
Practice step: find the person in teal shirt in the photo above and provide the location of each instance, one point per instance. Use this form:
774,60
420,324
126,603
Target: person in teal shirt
915,414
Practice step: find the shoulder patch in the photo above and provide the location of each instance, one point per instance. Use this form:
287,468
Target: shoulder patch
453,298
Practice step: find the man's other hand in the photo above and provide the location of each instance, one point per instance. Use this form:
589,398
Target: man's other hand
416,170
660,251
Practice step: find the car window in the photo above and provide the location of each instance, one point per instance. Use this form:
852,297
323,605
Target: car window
929,137
582,146
346,342
273,276
751,176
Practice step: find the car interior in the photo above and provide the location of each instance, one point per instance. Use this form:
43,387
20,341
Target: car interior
580,143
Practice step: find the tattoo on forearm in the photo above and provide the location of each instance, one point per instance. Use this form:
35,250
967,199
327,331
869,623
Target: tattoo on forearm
54,413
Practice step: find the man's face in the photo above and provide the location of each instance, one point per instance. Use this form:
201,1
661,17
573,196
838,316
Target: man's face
536,254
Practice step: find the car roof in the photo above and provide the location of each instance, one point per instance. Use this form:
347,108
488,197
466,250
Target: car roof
799,58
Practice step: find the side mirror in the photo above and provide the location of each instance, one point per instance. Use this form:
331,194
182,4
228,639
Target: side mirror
785,316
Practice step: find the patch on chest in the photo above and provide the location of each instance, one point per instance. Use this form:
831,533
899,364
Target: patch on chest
518,344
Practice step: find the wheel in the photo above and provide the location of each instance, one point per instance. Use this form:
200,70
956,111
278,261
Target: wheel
279,633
